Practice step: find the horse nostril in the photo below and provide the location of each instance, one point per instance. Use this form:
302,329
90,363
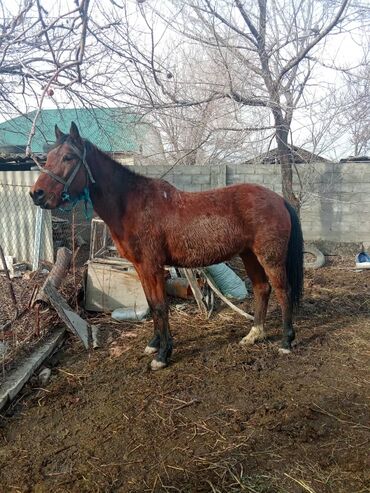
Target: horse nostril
39,194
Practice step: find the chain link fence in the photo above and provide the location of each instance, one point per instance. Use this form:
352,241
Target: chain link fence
30,238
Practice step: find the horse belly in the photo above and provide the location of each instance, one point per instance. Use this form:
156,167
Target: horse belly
205,240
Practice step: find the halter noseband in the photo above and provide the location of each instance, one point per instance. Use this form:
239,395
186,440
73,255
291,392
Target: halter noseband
84,195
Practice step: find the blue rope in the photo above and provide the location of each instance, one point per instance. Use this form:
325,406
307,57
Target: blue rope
85,196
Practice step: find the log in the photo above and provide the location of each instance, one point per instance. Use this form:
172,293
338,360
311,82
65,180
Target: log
56,275
179,288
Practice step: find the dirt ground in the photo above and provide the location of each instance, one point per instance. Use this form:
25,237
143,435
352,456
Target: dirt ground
220,418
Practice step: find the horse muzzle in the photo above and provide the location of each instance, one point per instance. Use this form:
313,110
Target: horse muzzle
38,196
41,199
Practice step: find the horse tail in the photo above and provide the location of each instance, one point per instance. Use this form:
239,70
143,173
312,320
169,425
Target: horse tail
294,260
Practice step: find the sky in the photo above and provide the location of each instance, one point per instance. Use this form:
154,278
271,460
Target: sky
344,50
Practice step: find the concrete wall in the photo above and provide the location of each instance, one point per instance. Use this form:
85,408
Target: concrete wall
336,200
335,196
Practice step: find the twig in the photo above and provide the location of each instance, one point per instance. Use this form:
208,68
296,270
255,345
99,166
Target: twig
74,253
37,313
323,411
187,404
301,483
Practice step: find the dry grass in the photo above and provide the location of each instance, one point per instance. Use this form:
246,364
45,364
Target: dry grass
27,330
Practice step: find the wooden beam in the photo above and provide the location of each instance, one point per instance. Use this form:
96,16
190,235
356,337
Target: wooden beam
72,320
196,290
17,378
226,300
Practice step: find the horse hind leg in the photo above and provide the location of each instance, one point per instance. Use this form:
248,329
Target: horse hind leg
261,292
278,278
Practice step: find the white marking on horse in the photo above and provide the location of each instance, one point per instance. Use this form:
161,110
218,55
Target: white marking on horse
257,333
165,195
150,350
157,365
284,350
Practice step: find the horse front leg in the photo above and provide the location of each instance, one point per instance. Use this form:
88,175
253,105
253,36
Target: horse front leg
154,287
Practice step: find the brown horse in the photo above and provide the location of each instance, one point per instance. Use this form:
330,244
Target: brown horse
154,224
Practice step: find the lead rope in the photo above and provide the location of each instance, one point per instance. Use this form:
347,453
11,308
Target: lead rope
85,196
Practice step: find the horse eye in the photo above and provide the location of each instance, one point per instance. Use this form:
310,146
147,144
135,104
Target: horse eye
68,157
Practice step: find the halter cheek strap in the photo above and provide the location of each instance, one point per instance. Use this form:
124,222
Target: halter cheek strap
85,194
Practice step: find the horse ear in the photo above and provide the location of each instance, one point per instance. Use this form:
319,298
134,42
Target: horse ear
58,133
75,134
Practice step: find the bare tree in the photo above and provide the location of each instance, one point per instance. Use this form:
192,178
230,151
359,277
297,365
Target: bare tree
207,133
355,109
50,54
39,50
266,53
211,76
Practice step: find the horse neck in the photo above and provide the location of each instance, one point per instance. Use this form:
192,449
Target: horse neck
111,190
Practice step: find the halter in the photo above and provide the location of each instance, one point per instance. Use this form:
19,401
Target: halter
85,194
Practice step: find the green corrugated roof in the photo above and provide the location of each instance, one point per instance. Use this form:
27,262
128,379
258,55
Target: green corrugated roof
111,129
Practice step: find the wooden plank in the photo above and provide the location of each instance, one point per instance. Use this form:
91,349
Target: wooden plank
226,300
15,381
196,290
72,320
118,261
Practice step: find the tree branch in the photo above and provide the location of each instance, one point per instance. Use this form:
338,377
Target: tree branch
299,57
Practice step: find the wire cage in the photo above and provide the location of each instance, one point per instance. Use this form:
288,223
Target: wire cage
101,243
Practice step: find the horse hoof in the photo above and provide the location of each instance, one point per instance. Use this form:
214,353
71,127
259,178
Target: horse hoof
283,350
157,365
150,350
255,334
247,341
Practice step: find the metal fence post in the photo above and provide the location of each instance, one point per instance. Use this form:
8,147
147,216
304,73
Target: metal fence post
39,224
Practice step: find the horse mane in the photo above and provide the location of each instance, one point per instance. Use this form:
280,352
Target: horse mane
120,170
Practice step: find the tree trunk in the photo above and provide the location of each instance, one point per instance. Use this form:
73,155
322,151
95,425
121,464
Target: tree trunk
286,160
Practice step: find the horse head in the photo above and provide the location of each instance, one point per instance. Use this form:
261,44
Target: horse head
66,173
